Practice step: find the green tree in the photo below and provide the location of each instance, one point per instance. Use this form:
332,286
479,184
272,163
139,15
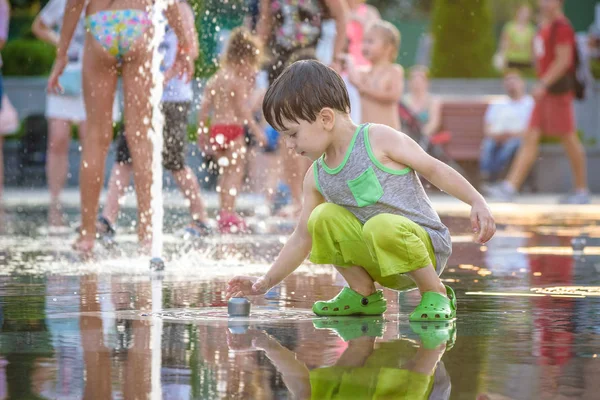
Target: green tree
463,42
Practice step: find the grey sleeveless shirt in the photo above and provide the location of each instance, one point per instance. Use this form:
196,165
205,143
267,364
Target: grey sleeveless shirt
366,188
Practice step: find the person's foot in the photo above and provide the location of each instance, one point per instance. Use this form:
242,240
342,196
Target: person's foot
198,229
231,222
502,191
84,246
55,215
578,197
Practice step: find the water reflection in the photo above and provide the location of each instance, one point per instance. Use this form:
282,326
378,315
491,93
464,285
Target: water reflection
72,330
365,369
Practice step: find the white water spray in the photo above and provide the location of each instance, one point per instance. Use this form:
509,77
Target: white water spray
156,135
156,127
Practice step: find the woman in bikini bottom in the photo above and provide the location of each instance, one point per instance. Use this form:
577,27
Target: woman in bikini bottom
119,38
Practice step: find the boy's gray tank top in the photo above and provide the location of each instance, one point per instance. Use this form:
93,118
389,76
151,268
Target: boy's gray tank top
366,188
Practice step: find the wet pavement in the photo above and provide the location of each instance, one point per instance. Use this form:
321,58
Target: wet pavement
527,328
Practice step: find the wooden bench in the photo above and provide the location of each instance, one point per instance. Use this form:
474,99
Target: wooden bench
464,119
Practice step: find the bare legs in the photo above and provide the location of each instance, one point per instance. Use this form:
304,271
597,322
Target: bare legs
187,182
99,85
119,181
137,82
57,165
524,160
359,280
577,158
528,153
230,179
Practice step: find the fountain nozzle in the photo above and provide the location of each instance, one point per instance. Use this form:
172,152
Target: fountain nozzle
157,264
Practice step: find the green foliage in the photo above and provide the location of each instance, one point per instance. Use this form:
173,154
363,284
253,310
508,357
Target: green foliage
211,17
27,57
463,40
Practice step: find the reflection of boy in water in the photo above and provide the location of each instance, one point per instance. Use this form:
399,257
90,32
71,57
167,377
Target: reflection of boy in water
367,369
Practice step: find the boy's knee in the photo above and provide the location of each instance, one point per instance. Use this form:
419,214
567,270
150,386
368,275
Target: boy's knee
323,215
383,230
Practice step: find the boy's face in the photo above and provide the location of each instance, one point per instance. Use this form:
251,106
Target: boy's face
308,139
374,46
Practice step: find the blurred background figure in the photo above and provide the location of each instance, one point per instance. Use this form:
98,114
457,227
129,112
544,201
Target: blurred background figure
421,102
360,16
553,114
62,110
516,42
506,122
291,31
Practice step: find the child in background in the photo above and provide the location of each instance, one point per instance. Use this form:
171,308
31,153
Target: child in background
381,84
226,96
365,210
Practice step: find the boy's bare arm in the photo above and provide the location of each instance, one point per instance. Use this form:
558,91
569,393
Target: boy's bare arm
393,84
298,246
400,148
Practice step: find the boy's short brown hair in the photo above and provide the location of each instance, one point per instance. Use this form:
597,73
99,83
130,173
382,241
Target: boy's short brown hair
391,34
243,48
302,91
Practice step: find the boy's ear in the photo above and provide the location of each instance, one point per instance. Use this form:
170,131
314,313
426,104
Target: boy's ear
327,118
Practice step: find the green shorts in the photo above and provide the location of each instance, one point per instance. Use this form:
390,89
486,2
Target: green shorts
387,246
369,383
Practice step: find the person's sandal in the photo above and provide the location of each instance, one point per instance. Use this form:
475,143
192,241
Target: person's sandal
198,229
349,302
349,328
107,230
435,307
104,228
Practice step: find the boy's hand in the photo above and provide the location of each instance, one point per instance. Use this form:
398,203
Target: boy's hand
247,286
482,221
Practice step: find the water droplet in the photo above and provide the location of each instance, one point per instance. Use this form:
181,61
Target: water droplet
233,192
223,162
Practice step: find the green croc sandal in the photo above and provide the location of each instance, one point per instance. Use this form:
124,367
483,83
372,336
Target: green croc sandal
349,328
349,302
435,307
434,334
